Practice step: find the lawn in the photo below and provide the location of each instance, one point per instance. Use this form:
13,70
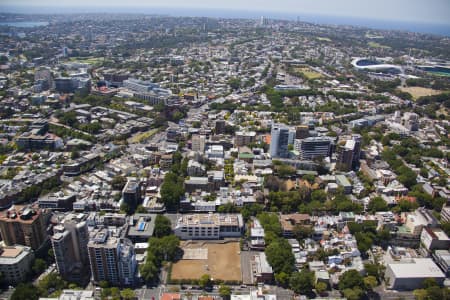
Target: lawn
140,137
417,91
377,45
323,39
309,73
87,60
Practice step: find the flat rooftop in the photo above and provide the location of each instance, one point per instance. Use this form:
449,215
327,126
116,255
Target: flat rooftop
417,268
11,252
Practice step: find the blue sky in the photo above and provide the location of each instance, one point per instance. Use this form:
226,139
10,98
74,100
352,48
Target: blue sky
424,11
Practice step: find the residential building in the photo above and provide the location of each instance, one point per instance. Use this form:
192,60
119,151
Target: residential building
261,269
257,235
15,263
288,222
131,193
198,143
112,258
434,239
442,259
342,180
244,138
26,226
69,243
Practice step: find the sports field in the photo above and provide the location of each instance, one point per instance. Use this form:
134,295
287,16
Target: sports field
417,91
223,262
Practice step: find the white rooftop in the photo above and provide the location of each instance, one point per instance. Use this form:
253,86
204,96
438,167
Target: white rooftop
417,268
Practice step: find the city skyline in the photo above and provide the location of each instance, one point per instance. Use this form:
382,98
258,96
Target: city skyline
416,11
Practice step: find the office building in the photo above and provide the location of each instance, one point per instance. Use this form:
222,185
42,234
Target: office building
112,258
139,86
348,153
281,137
410,275
81,165
220,127
141,227
69,243
25,226
33,141
302,132
15,263
313,147
209,226
356,150
147,90
131,193
198,143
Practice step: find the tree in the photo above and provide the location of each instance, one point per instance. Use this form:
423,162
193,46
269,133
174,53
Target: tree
25,291
353,294
321,287
75,154
309,178
280,257
164,248
377,204
374,270
429,282
172,190
125,208
364,240
141,210
301,232
302,282
148,270
435,293
370,282
224,291
351,279
272,183
420,294
234,83
51,282
127,294
319,195
118,182
282,279
39,266
163,226
205,281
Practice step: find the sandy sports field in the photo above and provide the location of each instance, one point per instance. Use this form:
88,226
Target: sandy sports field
223,262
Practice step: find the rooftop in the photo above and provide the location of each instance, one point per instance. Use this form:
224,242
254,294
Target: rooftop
416,268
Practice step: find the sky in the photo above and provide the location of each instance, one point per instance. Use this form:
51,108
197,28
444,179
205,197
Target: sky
421,11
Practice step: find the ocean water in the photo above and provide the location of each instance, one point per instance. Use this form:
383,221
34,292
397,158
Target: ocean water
438,29
24,24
